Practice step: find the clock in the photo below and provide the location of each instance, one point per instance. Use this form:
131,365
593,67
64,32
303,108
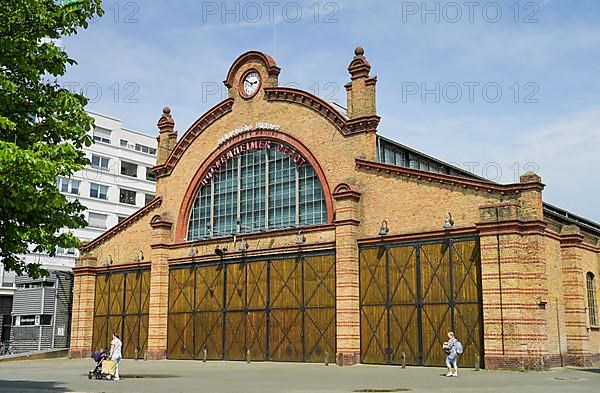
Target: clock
250,84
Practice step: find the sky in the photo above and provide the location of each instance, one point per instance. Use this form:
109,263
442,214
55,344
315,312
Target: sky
495,87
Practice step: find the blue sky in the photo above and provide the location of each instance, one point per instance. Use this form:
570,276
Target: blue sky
543,57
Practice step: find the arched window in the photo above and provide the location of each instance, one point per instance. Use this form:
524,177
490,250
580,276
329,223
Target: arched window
257,186
591,292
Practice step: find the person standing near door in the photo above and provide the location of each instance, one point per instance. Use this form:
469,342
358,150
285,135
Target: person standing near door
115,353
451,350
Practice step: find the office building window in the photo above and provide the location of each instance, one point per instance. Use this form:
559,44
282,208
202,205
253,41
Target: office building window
128,169
123,143
100,163
65,251
26,320
98,191
148,198
97,220
68,186
127,196
150,175
145,149
102,135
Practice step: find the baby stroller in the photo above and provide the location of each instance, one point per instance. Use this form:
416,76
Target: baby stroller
103,367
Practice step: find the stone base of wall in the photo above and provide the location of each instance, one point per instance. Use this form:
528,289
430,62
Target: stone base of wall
75,353
538,363
583,360
347,359
541,363
156,355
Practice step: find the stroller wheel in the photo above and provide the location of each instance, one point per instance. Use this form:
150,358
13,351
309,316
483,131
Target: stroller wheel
89,375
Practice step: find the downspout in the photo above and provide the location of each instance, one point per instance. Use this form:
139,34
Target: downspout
54,313
41,313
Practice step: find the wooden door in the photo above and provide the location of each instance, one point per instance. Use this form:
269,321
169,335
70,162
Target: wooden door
180,324
280,309
412,295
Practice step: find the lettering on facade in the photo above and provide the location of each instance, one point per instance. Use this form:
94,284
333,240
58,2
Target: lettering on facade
258,144
247,128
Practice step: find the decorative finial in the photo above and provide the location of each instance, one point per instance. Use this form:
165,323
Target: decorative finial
359,51
166,110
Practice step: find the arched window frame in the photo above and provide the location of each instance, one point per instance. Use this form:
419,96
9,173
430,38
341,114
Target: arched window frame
591,297
196,231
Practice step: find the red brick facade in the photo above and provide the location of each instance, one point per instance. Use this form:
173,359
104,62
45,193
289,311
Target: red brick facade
533,260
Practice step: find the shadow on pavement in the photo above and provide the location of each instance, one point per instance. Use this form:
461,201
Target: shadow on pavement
591,370
32,386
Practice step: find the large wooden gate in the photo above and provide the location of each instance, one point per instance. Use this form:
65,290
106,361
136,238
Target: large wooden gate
121,305
269,309
412,295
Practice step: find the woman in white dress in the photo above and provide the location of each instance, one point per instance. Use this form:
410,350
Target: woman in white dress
115,352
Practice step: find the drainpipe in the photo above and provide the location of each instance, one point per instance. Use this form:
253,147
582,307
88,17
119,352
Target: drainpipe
41,313
54,312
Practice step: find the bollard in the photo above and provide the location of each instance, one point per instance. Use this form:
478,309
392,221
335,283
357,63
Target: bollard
136,354
477,363
248,360
326,358
403,360
543,366
146,354
204,355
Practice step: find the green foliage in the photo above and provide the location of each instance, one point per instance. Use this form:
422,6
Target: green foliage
42,128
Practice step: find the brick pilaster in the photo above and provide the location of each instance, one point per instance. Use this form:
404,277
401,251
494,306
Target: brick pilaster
84,291
574,284
515,282
347,275
159,289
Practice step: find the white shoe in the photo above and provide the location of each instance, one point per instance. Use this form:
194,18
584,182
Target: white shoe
455,375
117,378
449,374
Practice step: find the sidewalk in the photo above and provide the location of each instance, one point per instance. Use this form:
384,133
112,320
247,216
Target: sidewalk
171,376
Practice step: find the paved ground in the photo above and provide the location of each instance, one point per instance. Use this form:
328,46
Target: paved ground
170,376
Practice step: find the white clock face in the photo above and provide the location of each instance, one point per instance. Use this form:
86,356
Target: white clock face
251,83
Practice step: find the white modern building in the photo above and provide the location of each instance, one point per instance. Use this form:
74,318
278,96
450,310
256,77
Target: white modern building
116,184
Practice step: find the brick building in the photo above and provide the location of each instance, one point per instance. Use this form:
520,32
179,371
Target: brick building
287,229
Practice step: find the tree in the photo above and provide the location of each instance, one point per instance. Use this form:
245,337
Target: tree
43,128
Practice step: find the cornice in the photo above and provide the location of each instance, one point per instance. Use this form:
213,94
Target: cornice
478,185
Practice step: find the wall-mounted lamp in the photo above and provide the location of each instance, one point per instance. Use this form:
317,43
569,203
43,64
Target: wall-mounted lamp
139,257
243,245
193,252
107,261
448,221
542,304
220,251
384,230
300,238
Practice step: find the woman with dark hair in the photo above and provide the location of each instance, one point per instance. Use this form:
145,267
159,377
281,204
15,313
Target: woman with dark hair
115,352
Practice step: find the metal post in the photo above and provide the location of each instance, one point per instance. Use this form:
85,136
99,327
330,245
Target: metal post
542,364
403,360
204,355
477,365
248,360
136,354
326,358
146,354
